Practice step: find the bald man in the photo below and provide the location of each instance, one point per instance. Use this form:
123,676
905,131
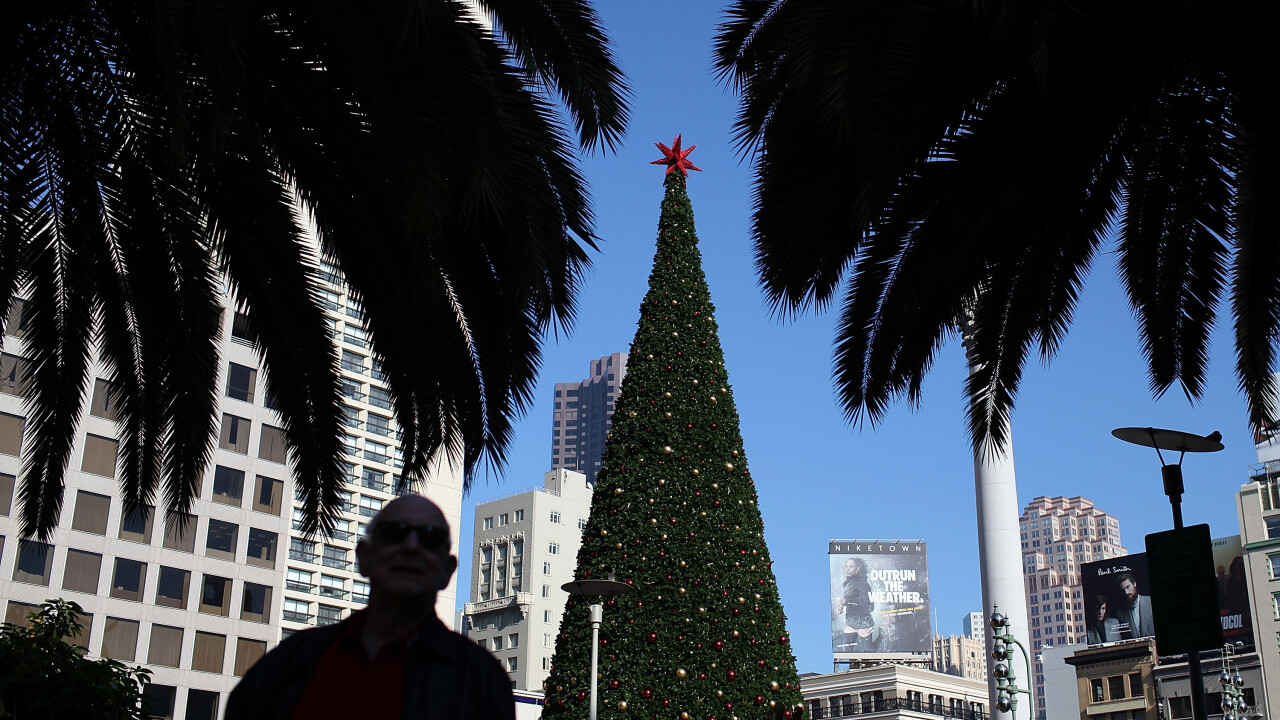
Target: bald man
392,660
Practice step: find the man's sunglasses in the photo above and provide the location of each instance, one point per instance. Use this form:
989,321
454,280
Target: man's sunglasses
430,537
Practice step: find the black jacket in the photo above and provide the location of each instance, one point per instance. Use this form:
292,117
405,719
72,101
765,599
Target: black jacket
446,676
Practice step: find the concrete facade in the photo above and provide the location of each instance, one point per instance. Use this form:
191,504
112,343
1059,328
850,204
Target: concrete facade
197,605
1058,534
1258,510
582,414
1116,680
526,547
975,625
963,655
893,691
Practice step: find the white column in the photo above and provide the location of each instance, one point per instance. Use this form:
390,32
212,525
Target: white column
1000,558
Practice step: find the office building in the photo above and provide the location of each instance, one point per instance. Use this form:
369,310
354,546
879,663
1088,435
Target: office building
975,625
197,603
526,546
893,692
964,656
1058,535
1258,510
582,414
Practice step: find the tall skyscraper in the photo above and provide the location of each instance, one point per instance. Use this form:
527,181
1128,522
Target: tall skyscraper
1058,534
525,548
212,595
582,414
975,625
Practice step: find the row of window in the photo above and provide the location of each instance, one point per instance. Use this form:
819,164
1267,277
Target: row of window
165,644
299,611
330,586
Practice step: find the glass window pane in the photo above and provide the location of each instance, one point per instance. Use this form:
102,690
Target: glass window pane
241,381
11,434
19,613
180,533
210,649
7,483
120,639
215,596
234,435
220,541
103,404
228,485
172,587
202,705
136,526
271,444
128,579
166,646
81,571
255,602
248,652
160,699
34,561
91,512
262,548
267,495
99,456
13,375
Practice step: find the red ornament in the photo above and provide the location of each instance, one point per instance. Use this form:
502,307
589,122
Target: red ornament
652,637
728,706
787,714
646,693
675,158
666,703
613,684
732,674
720,646
581,695
783,639
759,699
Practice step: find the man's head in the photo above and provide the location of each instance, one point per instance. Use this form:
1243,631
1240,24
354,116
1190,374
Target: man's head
1100,601
1129,587
405,551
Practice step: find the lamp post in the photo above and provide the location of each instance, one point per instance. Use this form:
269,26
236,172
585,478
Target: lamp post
595,589
1184,443
1233,702
1006,679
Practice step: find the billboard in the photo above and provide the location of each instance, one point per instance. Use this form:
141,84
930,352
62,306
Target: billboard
1117,600
879,599
1233,592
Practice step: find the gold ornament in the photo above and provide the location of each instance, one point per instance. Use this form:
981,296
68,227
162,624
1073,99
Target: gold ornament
666,394
742,599
631,414
735,453
622,704
713,398
702,610
681,591
695,382
715,486
653,521
773,703
682,563
724,390
735,633
728,466
668,415
695,471
684,716
617,491
648,357
650,501
703,513
619,546
773,685
667,449
604,532
664,482
719,693
673,302
682,673
675,334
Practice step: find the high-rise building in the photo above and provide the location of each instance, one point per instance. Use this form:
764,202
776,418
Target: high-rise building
975,625
526,546
582,414
1258,509
198,603
1058,534
965,656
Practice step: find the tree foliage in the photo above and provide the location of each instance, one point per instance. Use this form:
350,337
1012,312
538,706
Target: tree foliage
931,159
674,514
151,148
47,677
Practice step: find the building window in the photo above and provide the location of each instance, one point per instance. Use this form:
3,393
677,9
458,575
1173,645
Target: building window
497,643
180,533
166,646
335,557
234,435
267,495
136,526
172,587
210,649
547,640
546,568
555,516
248,652
513,640
503,519
1135,685
11,434
81,571
128,579
220,541
546,616
297,611
554,548
582,523
519,515
99,456
360,592
271,444
215,596
369,506
546,591
7,483
241,381
120,639
91,513
34,562
262,548
13,375
511,664
228,485
1273,526
488,523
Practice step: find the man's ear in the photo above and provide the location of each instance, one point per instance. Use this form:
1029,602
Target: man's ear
452,566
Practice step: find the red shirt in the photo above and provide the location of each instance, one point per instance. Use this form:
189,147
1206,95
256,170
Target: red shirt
349,684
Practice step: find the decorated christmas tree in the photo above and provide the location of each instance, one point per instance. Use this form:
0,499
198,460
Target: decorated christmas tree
674,515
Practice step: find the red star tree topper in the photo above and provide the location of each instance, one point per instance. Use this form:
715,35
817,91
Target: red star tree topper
675,158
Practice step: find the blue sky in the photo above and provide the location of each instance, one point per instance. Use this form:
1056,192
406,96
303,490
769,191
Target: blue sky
819,478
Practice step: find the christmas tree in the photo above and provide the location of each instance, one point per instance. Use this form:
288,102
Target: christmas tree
702,635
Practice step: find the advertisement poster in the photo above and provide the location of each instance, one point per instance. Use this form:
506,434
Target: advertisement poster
1233,591
879,598
1117,599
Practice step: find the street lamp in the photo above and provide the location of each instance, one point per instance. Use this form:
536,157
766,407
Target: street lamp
1006,679
1233,702
1184,443
596,589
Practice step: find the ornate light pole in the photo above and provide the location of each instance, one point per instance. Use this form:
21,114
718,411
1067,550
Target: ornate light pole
1006,680
1233,702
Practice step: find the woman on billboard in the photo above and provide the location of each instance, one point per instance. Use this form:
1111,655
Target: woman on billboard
855,601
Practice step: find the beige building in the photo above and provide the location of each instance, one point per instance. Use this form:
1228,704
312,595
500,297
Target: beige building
1115,681
1258,509
198,604
893,691
960,655
526,546
1058,535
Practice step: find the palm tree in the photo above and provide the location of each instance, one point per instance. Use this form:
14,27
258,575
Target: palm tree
151,149
942,156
